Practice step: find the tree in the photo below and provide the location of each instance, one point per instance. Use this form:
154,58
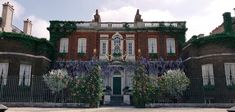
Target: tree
91,89
141,87
173,83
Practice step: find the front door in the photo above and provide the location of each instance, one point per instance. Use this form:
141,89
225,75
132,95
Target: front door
116,85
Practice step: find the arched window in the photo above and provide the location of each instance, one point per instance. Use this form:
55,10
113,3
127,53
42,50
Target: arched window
117,43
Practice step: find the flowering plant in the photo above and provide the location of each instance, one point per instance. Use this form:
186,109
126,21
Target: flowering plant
173,83
57,80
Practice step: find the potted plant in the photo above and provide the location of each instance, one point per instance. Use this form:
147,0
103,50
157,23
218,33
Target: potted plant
153,55
107,95
117,54
81,54
107,90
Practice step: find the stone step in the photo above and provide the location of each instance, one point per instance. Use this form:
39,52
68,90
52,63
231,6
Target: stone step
116,101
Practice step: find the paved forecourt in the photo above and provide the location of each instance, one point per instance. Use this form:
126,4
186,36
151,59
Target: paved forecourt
115,109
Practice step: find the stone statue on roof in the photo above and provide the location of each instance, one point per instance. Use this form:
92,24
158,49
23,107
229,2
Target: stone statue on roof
96,16
138,17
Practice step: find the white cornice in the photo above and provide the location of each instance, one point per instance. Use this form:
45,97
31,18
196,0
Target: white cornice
210,55
24,54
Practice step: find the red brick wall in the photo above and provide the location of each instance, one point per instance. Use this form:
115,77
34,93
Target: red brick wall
141,42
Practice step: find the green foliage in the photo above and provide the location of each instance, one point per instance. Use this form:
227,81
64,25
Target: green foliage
173,83
227,39
153,55
60,29
56,80
117,54
81,54
88,89
170,54
142,87
93,86
62,55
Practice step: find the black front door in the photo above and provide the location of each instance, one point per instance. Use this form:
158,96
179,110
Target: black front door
116,85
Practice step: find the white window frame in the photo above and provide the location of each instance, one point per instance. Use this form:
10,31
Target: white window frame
170,45
101,47
208,74
132,42
82,45
229,69
25,74
64,45
152,45
4,73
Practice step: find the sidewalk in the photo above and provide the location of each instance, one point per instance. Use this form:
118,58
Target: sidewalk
116,109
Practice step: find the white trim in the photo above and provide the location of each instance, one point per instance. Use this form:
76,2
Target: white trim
186,46
209,55
104,35
130,35
24,54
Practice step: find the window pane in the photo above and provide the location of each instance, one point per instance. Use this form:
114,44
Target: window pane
170,44
152,45
64,45
82,45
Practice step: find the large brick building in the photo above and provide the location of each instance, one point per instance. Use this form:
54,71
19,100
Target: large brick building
116,44
210,63
127,38
23,58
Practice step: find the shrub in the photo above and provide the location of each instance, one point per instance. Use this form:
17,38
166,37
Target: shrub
56,80
173,83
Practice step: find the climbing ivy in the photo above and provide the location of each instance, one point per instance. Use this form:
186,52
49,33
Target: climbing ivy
59,29
226,38
39,46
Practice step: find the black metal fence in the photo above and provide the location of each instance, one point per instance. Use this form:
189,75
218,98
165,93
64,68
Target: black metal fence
39,92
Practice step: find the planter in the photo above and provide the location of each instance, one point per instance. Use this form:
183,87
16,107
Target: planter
126,99
107,99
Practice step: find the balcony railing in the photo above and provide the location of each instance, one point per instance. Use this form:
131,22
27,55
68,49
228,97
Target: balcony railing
124,25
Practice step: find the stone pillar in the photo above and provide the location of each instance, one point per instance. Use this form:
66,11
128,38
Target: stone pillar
126,99
107,99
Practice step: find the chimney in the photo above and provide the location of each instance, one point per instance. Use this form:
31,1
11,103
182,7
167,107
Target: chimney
227,22
27,27
7,17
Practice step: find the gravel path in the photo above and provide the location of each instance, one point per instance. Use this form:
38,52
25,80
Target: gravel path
116,109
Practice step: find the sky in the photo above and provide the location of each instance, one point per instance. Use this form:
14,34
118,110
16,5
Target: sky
201,16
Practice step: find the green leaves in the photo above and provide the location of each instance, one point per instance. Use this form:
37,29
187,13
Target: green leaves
149,89
173,83
56,80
